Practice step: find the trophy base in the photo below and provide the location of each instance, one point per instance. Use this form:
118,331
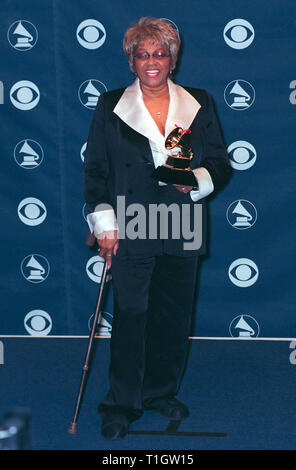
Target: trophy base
167,175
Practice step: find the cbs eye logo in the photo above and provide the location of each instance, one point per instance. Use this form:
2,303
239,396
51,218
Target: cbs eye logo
31,211
94,269
242,155
84,212
238,34
24,95
91,34
38,323
243,272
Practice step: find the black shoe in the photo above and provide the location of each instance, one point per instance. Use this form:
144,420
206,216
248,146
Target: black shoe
169,408
114,426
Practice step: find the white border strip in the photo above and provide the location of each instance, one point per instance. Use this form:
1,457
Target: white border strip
218,338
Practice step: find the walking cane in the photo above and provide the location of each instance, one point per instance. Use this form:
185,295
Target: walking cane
73,425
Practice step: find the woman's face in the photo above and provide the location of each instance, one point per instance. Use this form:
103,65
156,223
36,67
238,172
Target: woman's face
152,71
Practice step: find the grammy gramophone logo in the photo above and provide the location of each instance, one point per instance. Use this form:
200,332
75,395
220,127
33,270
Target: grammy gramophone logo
28,154
241,214
239,95
35,268
89,92
244,326
22,35
82,151
104,325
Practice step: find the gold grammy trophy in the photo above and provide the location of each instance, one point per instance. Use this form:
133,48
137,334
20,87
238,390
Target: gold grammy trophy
176,168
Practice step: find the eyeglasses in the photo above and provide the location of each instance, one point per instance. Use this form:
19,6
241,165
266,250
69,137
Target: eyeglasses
155,55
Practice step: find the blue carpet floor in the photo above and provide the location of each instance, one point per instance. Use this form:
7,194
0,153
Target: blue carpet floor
240,394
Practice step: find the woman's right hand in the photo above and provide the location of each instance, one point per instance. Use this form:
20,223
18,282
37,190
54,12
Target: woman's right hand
108,243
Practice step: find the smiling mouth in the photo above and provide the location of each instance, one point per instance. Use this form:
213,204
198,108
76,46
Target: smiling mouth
152,73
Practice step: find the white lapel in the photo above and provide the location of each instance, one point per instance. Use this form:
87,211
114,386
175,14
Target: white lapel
183,108
131,109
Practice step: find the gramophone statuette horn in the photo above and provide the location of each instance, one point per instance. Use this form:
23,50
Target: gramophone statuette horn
176,168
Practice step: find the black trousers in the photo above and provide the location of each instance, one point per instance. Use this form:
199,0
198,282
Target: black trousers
153,303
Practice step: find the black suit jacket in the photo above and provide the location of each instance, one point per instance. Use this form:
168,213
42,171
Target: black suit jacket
118,162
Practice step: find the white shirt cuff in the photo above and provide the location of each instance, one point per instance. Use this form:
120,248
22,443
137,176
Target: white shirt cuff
101,221
205,184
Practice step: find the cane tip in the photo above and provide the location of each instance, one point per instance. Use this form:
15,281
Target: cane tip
72,428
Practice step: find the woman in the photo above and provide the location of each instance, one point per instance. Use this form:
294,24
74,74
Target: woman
153,276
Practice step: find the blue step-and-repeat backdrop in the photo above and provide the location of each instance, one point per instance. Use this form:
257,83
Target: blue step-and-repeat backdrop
57,56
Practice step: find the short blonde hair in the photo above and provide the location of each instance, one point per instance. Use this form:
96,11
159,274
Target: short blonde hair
156,31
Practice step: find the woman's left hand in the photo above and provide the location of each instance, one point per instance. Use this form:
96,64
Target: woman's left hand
182,188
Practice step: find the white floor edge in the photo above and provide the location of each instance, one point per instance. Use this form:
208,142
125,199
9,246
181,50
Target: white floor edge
218,338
